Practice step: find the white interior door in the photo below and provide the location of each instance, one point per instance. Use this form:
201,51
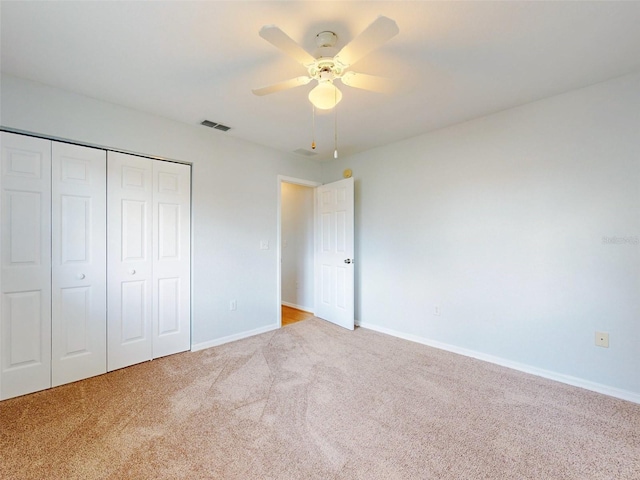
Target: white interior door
334,284
129,260
171,258
25,245
78,262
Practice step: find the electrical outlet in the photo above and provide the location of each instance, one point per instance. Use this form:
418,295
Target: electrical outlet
233,305
436,310
602,339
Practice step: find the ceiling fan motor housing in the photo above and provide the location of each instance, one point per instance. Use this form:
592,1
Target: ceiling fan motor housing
325,69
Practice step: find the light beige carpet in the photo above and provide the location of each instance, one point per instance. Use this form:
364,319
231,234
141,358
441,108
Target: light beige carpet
314,401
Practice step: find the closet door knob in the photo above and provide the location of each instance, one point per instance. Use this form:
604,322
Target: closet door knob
132,271
81,276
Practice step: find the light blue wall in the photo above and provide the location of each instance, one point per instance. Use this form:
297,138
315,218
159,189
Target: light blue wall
500,222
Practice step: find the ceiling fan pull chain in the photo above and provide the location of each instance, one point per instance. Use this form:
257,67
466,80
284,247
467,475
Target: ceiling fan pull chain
313,127
335,128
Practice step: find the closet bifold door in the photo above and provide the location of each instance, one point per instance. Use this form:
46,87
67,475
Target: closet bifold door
25,256
78,263
129,260
171,258
148,259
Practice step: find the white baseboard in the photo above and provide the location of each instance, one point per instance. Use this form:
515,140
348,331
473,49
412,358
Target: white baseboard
232,338
298,307
558,377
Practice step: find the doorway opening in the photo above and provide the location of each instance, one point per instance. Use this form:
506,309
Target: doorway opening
296,234
293,315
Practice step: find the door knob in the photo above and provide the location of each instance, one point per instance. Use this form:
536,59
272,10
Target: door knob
132,271
81,276
348,260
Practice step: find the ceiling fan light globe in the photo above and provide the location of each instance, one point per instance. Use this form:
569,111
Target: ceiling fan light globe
325,96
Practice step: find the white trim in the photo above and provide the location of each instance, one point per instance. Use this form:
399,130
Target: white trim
298,307
298,181
558,377
232,338
305,183
87,144
191,262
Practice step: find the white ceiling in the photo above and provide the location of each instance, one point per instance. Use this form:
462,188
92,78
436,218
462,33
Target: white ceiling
191,61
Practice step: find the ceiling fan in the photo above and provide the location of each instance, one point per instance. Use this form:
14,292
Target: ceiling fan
326,65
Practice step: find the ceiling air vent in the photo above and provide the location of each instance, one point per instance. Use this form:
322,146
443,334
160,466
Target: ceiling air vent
217,126
306,153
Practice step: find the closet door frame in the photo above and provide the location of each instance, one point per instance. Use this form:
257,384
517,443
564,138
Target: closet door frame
153,307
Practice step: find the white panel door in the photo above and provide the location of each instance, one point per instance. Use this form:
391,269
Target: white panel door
129,260
25,279
78,262
171,252
334,253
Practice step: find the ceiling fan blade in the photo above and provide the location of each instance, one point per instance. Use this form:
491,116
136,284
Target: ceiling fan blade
380,31
284,42
277,87
368,82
